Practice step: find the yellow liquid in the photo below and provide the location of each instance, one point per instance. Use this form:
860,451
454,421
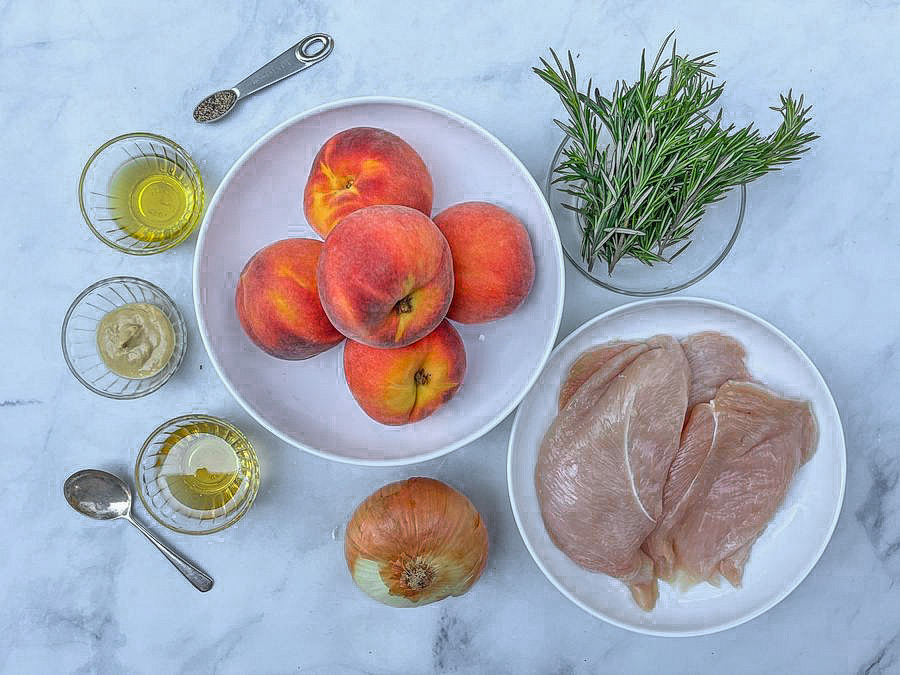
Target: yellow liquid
208,468
152,198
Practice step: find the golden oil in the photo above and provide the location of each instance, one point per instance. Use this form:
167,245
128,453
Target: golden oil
152,198
208,468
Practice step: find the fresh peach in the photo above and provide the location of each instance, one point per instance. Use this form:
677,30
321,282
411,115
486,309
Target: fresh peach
385,276
493,264
277,301
361,167
399,386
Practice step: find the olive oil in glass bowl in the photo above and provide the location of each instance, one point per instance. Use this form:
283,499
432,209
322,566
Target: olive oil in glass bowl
197,474
141,193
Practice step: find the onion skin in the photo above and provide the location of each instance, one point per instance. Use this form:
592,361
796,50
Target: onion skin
415,542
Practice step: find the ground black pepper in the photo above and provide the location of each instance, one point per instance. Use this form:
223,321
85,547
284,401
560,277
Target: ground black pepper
215,105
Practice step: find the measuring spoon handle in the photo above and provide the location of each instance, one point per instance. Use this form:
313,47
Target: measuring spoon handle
308,52
201,581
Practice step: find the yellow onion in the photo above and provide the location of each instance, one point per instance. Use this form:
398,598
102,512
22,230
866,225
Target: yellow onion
414,542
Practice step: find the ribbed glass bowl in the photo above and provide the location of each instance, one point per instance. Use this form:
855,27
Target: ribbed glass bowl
79,336
712,240
152,473
155,151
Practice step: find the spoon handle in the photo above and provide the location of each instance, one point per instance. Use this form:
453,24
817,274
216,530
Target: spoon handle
308,52
201,581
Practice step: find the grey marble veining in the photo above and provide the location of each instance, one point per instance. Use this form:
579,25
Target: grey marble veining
817,257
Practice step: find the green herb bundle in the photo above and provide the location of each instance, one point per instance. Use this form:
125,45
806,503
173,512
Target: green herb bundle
644,164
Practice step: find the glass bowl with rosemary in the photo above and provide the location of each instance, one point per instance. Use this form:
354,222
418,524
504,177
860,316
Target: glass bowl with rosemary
648,186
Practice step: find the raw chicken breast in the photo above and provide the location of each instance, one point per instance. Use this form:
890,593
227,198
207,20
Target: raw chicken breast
586,365
714,359
701,506
757,442
696,443
603,462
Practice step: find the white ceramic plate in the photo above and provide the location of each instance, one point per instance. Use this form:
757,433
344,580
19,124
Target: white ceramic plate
307,403
793,541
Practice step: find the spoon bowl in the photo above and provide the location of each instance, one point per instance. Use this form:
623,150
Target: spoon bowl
98,494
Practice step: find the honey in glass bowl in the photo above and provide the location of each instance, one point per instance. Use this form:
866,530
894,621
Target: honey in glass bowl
197,474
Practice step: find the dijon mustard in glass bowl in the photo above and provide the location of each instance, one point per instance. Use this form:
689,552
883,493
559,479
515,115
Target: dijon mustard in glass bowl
123,337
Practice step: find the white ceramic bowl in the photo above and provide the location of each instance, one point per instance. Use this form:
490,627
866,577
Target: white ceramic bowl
307,403
794,540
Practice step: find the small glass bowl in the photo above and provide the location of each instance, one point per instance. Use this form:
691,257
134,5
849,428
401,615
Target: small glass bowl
710,243
79,336
95,186
155,467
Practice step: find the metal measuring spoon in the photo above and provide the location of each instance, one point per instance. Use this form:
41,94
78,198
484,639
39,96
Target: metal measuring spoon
308,52
103,496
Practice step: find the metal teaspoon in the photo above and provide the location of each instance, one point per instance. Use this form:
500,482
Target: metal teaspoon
308,52
103,496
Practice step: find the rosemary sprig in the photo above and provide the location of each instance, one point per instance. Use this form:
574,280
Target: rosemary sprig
644,163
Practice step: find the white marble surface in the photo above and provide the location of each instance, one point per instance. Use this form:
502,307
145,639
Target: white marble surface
817,257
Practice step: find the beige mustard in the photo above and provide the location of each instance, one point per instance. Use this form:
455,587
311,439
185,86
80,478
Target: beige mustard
135,340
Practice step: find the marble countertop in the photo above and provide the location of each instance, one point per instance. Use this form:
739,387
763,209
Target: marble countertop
817,257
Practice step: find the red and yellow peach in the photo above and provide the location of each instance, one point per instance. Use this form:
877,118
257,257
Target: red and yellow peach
277,301
362,167
385,276
493,264
399,386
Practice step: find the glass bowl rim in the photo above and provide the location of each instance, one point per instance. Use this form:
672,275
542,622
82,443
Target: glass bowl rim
549,187
180,331
152,510
196,178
